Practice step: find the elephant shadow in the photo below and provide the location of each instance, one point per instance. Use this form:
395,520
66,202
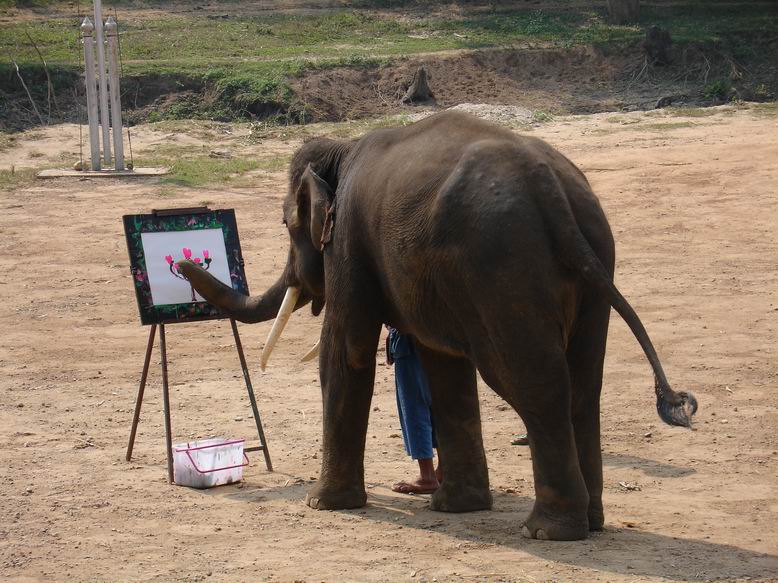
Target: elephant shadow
625,551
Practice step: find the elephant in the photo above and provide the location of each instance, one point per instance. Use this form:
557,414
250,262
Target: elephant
492,250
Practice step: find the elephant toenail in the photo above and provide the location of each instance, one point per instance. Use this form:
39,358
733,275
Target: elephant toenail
541,534
525,532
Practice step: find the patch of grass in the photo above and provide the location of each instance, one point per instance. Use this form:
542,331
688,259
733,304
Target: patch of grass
168,191
665,126
542,117
273,163
202,130
173,151
691,111
700,21
19,178
202,171
6,141
5,4
196,41
360,127
622,120
638,126
343,130
197,171
559,28
769,110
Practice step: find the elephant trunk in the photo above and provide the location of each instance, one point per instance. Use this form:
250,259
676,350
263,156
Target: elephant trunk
236,305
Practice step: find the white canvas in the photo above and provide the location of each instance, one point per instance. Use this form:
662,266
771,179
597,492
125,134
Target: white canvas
165,287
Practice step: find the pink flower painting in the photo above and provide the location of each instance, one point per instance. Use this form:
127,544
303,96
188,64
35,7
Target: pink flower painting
175,269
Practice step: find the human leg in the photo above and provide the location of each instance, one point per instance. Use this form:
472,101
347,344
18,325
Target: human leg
413,407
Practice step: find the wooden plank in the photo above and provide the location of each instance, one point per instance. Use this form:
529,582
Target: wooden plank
66,173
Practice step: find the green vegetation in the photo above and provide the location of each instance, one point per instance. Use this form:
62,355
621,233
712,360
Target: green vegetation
245,57
691,111
720,90
344,130
769,110
646,122
11,180
202,170
175,41
6,141
542,117
622,120
664,126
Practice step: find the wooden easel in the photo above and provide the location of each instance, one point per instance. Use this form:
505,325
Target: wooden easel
166,398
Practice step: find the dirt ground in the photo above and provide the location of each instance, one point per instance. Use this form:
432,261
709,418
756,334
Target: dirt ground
694,208
561,81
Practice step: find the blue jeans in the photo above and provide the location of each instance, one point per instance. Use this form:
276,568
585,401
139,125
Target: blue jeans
413,397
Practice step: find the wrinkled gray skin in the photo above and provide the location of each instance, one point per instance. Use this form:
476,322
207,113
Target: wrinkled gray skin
491,249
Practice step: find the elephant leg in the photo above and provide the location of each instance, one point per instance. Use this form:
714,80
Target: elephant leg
534,379
457,420
347,372
585,358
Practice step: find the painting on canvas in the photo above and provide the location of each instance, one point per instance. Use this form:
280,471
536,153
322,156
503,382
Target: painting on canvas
158,241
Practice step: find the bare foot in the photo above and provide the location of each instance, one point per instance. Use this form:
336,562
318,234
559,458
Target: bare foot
417,486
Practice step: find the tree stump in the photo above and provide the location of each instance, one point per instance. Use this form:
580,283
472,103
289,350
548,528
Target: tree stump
419,91
624,11
657,46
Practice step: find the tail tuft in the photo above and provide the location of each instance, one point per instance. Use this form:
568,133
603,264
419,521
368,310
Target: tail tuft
677,413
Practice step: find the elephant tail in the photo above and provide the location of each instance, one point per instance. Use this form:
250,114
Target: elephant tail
674,408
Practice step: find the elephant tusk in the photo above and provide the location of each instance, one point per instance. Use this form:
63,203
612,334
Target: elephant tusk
312,353
286,309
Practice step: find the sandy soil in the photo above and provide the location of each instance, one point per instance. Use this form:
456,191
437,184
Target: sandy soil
693,204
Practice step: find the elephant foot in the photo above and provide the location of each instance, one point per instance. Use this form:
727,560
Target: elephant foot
452,498
322,498
544,525
596,516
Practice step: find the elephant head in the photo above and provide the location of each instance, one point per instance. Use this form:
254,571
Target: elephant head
309,217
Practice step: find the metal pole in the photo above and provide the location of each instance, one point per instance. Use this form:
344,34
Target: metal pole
87,28
111,31
139,401
103,82
252,398
166,404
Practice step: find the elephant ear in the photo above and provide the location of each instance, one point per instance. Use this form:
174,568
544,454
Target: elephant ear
321,199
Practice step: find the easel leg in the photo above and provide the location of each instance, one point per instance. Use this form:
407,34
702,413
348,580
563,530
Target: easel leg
166,404
141,389
253,400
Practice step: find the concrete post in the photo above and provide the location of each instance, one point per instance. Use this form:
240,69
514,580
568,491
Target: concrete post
102,81
87,28
112,32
